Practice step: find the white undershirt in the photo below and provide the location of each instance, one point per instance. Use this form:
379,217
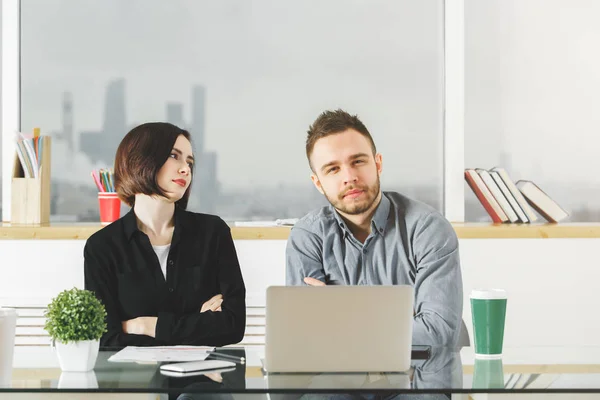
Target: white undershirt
162,252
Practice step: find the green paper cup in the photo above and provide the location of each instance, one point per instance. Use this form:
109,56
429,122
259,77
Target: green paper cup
488,374
488,307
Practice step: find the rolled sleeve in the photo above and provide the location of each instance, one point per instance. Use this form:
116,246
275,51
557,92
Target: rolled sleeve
164,326
438,284
303,257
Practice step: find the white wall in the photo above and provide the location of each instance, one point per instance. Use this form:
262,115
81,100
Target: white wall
551,282
552,286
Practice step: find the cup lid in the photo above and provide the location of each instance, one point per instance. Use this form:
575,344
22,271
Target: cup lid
488,294
6,312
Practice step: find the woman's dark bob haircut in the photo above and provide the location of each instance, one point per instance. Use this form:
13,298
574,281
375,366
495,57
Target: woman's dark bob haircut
141,154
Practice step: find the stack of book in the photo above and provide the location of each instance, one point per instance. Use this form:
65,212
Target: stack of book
509,202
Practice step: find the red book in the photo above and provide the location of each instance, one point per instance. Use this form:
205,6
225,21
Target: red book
485,197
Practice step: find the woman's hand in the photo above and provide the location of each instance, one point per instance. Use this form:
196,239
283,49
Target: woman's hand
215,376
140,326
212,304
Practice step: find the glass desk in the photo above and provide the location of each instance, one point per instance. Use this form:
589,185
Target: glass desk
446,373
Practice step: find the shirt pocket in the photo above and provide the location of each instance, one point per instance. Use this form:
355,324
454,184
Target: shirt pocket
137,294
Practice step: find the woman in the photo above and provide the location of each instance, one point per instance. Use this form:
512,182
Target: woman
165,275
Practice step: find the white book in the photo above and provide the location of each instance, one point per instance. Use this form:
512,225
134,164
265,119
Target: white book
22,161
28,143
511,200
495,190
516,194
541,202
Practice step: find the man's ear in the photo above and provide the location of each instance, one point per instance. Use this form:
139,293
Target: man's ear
317,183
379,163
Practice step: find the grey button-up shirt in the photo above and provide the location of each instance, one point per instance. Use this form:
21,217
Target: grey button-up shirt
410,244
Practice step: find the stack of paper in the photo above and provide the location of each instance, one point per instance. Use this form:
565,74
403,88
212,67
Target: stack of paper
161,353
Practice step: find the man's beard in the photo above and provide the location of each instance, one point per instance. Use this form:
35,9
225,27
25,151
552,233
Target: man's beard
355,207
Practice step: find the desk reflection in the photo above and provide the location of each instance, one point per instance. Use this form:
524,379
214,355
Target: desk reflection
191,387
132,376
442,370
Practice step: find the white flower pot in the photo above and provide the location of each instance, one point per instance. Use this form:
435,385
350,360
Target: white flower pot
78,380
77,356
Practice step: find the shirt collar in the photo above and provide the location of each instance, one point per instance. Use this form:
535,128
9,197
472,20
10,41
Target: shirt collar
379,219
130,223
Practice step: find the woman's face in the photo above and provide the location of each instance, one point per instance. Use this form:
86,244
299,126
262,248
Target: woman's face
175,176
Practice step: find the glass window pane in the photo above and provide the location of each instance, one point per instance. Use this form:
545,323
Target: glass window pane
532,84
246,78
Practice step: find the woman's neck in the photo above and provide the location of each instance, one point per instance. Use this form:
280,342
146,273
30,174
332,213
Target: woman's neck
155,216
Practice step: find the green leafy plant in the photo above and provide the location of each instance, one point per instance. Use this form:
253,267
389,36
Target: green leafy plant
75,315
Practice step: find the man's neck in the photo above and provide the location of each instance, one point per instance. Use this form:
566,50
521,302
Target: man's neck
155,216
360,224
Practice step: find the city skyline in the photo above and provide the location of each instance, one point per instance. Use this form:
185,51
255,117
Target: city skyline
209,194
76,151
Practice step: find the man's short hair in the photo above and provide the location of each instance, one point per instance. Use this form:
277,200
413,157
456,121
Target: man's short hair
141,154
331,123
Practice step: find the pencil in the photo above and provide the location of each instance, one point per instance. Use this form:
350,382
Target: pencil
228,357
97,182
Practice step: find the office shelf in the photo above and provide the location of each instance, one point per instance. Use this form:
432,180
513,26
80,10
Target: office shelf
463,230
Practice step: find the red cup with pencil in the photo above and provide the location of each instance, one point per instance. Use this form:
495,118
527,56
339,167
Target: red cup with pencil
109,202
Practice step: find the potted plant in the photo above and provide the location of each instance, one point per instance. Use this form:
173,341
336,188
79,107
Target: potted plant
75,320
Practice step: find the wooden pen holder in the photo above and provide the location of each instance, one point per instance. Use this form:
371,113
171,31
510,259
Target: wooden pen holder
30,197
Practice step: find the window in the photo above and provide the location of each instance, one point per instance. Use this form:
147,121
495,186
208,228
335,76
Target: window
246,78
531,98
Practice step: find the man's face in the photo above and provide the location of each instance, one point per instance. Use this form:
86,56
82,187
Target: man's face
346,171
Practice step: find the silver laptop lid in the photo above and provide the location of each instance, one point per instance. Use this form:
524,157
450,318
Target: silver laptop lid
338,328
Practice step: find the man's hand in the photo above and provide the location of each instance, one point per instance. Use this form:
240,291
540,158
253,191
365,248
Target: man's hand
212,304
313,282
140,326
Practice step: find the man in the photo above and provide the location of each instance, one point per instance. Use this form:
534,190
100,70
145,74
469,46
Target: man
369,237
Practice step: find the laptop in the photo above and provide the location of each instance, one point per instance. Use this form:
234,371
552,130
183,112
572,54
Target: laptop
338,328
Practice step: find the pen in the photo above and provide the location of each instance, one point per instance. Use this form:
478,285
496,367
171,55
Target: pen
229,357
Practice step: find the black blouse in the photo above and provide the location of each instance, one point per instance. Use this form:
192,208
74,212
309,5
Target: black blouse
124,272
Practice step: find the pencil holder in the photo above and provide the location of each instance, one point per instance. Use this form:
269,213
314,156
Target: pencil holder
30,197
110,207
